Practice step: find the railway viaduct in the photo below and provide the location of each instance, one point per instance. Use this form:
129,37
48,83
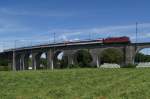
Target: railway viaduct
18,57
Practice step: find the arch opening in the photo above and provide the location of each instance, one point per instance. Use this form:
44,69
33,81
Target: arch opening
83,58
142,58
111,56
42,62
60,60
5,62
29,62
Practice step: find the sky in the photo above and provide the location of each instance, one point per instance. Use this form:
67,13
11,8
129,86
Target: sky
29,22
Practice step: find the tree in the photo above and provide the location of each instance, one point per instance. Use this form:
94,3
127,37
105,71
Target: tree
43,62
64,62
140,57
83,58
111,55
3,62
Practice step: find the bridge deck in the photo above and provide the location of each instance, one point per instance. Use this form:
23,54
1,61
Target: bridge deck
84,43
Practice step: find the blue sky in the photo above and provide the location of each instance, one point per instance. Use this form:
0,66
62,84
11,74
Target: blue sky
36,20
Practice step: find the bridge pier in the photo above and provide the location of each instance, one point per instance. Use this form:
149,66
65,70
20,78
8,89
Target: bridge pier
95,58
70,54
14,61
18,62
22,62
50,60
19,57
95,61
34,61
129,53
26,63
70,59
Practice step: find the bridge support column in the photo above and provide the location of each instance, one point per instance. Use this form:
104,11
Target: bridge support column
34,61
14,61
95,61
70,56
37,61
95,58
18,62
22,64
50,60
26,61
129,54
70,59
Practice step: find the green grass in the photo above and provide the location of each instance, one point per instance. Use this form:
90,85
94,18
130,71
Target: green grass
76,84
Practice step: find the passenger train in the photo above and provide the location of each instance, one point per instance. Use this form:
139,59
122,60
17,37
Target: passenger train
110,40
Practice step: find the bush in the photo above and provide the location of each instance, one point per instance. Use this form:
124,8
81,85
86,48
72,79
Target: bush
5,68
3,62
64,62
112,55
129,66
73,66
84,58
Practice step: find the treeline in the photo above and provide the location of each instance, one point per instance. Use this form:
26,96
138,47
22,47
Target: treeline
4,64
83,59
140,57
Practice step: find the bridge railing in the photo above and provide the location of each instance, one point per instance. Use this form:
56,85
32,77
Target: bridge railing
6,46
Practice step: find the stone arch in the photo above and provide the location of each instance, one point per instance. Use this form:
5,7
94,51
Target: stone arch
96,54
119,50
19,61
56,61
26,61
95,57
31,60
34,59
70,55
42,60
139,48
77,61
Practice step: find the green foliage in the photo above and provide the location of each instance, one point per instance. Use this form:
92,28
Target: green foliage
64,62
140,57
5,68
43,61
129,66
84,83
83,58
73,66
3,62
30,62
112,55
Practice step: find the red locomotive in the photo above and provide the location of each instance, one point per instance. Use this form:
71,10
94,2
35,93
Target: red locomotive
123,39
110,40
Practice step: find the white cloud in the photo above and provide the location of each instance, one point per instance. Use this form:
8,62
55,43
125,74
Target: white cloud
9,26
79,34
22,12
126,30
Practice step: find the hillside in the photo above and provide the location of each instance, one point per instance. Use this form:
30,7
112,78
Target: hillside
76,84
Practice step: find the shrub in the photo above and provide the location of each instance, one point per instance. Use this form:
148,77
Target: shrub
4,68
129,66
84,58
73,66
112,55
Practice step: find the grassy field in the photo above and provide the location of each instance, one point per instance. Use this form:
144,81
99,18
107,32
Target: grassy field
76,84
